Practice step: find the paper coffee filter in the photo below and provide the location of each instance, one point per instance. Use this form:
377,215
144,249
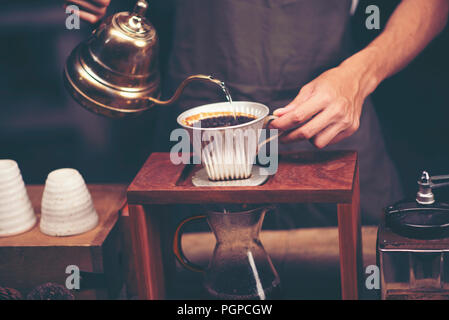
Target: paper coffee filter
11,186
76,217
16,209
16,213
18,228
14,196
67,207
69,212
256,109
56,228
62,200
16,220
10,180
66,179
221,159
8,168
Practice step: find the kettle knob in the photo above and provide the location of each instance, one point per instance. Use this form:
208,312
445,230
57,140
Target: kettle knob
140,8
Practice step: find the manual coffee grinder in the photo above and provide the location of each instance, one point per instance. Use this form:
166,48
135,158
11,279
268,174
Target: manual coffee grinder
413,246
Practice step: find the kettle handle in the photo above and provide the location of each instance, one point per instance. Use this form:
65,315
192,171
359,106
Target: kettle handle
197,77
177,245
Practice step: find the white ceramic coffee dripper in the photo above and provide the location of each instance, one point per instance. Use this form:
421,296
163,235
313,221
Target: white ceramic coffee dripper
227,152
16,212
67,207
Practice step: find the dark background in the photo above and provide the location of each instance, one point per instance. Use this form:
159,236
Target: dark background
42,128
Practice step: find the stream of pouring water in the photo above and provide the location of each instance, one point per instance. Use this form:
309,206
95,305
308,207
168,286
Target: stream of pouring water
229,98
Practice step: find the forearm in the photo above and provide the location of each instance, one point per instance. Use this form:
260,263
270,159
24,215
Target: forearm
412,26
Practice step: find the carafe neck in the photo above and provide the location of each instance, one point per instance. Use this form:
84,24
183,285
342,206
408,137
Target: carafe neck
237,227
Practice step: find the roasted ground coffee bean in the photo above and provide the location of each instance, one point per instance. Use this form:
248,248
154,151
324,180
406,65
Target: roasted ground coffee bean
50,291
10,294
223,121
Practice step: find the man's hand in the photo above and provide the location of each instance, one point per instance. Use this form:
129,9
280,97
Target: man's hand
91,10
326,110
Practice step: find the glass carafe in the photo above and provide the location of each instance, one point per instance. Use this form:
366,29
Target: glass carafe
240,268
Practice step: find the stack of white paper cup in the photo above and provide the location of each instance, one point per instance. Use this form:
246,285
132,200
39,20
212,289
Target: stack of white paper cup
67,207
16,213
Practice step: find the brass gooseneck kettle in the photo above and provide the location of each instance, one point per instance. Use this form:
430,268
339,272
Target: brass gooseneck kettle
115,72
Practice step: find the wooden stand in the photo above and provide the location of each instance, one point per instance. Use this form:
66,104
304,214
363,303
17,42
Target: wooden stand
33,258
307,177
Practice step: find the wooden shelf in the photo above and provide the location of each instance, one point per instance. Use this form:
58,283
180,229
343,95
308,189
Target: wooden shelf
108,200
33,258
301,177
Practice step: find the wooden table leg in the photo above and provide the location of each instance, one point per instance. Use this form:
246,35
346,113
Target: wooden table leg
350,242
145,228
169,260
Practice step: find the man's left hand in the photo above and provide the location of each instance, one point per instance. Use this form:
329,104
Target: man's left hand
326,110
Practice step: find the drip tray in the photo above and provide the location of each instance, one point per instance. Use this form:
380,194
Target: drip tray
259,176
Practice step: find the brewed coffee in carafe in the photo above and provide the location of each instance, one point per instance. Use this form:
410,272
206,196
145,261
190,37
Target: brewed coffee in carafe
240,268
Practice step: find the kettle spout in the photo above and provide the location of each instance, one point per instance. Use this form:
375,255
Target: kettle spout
178,92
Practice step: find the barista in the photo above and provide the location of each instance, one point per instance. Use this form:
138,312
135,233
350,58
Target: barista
267,51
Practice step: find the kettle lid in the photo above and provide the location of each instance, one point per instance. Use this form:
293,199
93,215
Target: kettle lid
134,23
124,45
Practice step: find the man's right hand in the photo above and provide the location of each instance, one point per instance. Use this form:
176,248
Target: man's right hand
90,10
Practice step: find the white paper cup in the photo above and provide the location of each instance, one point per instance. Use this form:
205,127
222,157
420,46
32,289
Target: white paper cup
16,212
67,207
228,152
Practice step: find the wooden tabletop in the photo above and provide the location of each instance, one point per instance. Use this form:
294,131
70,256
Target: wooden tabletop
301,177
108,200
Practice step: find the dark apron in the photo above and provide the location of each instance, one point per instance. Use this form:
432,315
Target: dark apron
265,51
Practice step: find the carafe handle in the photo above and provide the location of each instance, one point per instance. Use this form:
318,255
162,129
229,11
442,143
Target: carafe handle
177,246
